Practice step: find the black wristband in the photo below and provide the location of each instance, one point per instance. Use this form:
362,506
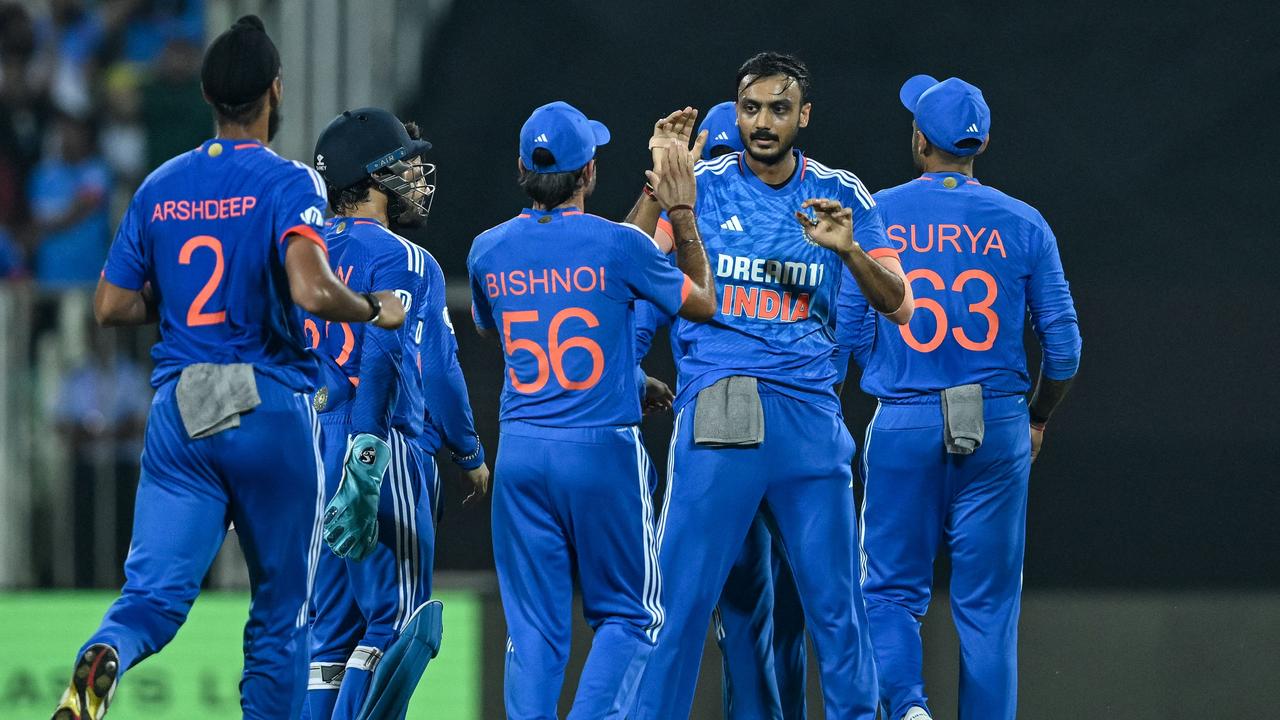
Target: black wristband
375,306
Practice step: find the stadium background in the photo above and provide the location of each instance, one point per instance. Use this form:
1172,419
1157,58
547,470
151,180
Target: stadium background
1144,135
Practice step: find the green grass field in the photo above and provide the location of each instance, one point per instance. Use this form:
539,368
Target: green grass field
198,674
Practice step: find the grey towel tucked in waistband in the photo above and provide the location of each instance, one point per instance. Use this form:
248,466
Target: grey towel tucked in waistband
962,421
211,397
729,413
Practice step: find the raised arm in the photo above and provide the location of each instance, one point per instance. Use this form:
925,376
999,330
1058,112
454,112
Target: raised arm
677,191
882,280
674,129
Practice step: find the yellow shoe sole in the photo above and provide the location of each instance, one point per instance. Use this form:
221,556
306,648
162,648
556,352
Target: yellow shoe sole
92,685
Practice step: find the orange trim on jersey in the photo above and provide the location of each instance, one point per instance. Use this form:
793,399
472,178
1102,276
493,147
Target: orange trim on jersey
245,146
354,381
567,213
665,226
685,289
972,182
925,177
804,165
307,232
882,252
366,222
524,215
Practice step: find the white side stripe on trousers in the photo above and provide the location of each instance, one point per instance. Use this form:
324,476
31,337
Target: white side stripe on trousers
406,527
862,508
652,595
671,472
313,551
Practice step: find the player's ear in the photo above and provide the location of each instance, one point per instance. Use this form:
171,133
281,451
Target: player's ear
922,142
804,114
277,90
983,147
589,173
520,168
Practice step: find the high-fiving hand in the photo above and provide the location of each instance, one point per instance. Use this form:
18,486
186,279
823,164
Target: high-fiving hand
675,129
676,184
831,227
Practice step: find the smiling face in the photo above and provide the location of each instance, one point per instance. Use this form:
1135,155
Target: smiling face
771,111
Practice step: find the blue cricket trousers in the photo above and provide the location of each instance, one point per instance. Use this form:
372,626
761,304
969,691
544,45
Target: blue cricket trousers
802,472
759,627
264,476
919,498
569,500
361,607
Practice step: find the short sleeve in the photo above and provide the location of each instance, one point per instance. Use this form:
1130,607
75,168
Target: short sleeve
646,273
868,231
127,259
481,310
299,207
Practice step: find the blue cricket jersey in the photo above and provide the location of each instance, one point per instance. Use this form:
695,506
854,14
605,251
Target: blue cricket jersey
448,405
776,315
207,230
373,373
561,288
977,261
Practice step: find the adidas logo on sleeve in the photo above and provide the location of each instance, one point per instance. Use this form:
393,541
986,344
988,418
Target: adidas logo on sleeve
732,224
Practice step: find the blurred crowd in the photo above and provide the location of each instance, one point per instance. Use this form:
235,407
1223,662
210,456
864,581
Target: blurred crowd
93,95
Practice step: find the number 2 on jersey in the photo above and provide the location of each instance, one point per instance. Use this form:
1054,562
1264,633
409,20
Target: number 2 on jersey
196,316
552,359
982,308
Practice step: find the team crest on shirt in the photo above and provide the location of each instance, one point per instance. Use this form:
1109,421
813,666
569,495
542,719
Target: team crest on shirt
320,400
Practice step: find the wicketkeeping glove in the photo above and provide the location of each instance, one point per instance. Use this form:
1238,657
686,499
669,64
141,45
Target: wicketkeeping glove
351,519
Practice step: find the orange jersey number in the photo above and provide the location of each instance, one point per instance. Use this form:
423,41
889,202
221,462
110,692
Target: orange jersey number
196,316
982,308
551,359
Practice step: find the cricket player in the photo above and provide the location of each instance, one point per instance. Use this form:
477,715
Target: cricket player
221,246
758,621
758,418
374,401
949,450
571,491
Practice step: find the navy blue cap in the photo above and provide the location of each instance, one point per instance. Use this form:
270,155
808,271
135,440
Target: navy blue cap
360,142
952,114
721,123
566,132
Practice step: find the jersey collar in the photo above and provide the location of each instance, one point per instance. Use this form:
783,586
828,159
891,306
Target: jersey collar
563,211
959,178
802,166
231,144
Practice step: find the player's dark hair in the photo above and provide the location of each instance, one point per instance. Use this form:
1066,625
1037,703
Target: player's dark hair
241,114
550,189
345,201
770,63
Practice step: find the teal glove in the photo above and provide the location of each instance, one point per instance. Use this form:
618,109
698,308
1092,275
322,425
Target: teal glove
351,519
